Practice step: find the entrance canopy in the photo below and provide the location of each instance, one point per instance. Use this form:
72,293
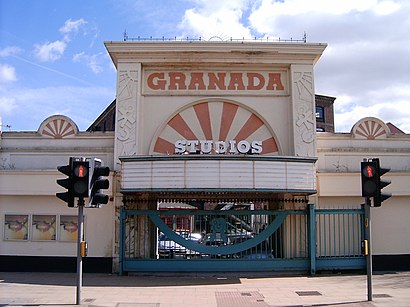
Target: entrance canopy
199,176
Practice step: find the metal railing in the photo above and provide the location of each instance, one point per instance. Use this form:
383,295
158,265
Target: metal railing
339,232
266,39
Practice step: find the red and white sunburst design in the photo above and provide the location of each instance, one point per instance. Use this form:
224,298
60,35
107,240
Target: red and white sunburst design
58,128
217,121
370,129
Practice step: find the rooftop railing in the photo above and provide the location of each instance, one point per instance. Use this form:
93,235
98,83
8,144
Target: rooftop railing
266,39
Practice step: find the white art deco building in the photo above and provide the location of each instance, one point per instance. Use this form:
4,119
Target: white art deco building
222,158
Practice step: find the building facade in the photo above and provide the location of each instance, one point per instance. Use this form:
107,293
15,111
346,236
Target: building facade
217,165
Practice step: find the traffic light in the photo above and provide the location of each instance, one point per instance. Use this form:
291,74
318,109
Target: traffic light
369,174
66,183
98,183
380,197
372,184
80,178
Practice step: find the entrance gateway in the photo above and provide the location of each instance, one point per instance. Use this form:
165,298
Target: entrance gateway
215,149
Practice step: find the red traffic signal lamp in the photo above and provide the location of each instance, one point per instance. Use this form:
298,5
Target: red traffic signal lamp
76,183
80,173
372,184
96,197
369,175
66,183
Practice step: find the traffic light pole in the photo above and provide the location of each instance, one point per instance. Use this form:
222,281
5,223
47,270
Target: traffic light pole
80,184
372,185
369,264
79,257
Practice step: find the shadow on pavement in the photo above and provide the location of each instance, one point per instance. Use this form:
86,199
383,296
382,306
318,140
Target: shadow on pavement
113,280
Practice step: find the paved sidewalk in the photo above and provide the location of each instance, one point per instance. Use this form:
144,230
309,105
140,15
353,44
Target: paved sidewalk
59,289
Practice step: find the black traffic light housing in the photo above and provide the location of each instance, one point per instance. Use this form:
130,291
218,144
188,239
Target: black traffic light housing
77,181
380,197
80,178
372,184
85,179
96,196
66,183
369,178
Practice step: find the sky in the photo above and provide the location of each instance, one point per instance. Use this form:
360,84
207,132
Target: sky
53,59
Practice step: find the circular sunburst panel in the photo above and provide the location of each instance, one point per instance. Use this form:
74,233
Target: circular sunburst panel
215,121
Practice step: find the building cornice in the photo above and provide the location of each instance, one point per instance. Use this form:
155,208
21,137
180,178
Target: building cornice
214,52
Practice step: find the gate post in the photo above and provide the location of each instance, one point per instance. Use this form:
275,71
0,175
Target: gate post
312,238
122,240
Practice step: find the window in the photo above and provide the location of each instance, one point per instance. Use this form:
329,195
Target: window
320,114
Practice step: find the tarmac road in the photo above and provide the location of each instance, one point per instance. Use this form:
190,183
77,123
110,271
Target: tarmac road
222,290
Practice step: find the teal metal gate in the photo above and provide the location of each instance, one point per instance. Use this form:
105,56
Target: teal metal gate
245,240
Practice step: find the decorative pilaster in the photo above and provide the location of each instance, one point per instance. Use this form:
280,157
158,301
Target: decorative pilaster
303,105
126,140
126,127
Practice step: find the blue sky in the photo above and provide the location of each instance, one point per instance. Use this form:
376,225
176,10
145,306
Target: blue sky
53,60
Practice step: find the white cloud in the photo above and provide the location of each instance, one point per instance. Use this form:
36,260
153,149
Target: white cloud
7,76
92,61
394,113
366,63
271,16
216,18
271,9
7,105
386,7
389,104
50,52
7,73
9,51
72,25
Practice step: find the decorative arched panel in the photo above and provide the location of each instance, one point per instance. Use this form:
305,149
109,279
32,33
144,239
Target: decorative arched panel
370,128
58,127
215,121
